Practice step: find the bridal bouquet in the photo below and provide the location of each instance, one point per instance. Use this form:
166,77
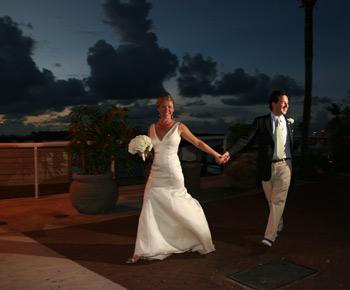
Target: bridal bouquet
141,143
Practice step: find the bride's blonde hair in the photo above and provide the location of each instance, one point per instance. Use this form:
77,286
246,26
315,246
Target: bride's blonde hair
164,98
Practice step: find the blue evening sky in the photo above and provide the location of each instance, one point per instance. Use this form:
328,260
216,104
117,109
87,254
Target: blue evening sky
253,41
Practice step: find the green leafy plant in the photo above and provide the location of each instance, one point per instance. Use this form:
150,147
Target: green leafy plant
97,138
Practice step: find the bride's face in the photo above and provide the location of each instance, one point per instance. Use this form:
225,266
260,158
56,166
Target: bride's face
166,109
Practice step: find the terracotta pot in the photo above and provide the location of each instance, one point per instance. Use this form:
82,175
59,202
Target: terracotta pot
240,170
93,194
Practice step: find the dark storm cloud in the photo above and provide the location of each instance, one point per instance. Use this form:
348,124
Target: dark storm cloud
143,114
24,88
259,90
49,96
198,77
129,20
137,68
237,82
141,111
199,103
17,69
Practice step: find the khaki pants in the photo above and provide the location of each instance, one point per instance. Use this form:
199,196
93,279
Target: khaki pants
276,191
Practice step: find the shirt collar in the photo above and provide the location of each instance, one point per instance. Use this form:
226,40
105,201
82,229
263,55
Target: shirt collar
274,117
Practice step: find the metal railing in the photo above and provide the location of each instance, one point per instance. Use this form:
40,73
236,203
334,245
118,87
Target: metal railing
216,137
9,156
33,159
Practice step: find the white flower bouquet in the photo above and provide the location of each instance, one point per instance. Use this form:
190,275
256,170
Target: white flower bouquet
141,143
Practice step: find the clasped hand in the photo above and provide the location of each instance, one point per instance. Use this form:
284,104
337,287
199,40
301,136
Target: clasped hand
222,159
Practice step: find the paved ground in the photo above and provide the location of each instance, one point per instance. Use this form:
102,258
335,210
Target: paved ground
46,244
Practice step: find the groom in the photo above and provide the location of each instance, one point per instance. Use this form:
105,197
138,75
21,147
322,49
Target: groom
275,137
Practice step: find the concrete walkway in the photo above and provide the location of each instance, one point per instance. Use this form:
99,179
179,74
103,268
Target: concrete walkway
47,244
26,264
36,267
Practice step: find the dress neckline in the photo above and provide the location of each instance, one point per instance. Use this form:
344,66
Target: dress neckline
155,130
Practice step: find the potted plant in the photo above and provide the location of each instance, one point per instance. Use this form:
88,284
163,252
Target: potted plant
96,139
241,168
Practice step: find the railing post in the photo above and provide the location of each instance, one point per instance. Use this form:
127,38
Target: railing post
225,144
36,175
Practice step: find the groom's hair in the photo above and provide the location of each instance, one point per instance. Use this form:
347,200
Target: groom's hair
275,97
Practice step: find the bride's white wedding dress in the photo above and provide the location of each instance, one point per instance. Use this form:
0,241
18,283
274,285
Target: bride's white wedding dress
171,221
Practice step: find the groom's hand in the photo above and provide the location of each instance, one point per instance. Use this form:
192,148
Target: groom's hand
221,159
225,157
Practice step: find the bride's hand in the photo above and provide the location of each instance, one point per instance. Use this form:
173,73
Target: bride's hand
144,153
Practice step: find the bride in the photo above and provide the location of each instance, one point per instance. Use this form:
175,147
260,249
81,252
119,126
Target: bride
171,221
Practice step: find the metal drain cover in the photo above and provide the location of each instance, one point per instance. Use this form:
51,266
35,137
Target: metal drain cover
271,276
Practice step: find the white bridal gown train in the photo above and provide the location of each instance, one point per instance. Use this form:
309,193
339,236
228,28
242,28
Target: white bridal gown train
171,221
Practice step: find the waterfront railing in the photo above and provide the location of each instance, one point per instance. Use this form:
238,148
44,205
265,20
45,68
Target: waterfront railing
45,168
28,166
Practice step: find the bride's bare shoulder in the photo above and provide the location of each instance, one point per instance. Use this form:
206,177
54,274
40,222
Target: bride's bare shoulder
182,128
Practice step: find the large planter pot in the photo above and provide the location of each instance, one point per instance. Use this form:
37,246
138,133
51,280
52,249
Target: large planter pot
93,194
240,171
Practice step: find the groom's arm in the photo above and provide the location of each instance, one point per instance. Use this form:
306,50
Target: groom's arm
242,142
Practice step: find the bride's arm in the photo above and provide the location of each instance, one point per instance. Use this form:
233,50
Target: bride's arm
185,133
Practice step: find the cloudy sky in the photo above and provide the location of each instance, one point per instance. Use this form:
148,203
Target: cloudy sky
220,59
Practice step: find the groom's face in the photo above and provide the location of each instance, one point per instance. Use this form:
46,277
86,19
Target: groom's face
281,107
